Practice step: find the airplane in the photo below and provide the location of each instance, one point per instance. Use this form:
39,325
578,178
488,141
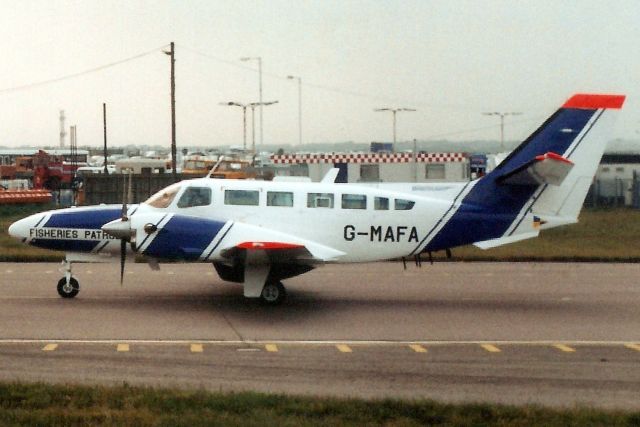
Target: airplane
259,233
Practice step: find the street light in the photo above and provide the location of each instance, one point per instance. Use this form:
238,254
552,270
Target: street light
502,115
244,120
394,111
253,106
299,106
259,59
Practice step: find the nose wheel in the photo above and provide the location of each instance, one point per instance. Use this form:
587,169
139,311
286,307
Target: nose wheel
68,286
68,289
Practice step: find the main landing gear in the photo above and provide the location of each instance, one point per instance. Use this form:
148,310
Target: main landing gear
68,286
273,293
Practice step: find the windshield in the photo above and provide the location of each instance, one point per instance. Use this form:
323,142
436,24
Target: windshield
164,197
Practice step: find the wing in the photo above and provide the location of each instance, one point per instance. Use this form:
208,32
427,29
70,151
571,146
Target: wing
276,256
287,251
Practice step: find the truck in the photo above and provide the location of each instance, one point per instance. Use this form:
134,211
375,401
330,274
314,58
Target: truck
46,171
226,169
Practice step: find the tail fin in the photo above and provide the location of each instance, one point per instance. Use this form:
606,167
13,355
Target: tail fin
542,183
585,152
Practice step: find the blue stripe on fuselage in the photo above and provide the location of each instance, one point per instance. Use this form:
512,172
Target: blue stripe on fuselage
88,219
82,218
489,209
183,237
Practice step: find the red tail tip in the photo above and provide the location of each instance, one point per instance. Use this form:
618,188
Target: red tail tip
587,101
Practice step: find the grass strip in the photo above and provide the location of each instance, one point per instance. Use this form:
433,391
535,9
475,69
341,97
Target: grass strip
71,405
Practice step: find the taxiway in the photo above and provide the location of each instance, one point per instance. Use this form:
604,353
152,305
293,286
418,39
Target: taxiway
555,334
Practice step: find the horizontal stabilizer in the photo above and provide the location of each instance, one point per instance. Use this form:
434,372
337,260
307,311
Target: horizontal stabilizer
549,168
488,244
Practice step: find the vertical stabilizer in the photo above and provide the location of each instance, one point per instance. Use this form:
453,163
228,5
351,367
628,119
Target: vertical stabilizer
542,183
585,152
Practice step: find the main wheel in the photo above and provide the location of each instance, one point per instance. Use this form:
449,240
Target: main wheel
273,293
68,290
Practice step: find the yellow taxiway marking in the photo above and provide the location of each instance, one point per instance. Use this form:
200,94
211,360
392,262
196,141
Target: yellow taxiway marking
343,348
49,347
417,348
271,348
122,347
196,348
565,348
633,346
490,348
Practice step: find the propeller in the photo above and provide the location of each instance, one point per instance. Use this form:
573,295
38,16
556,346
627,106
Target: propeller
122,229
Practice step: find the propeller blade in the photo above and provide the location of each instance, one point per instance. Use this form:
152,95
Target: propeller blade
123,257
122,229
123,213
129,195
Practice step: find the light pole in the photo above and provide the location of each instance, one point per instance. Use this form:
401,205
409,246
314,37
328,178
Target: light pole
394,111
253,106
171,53
299,106
259,59
244,120
502,115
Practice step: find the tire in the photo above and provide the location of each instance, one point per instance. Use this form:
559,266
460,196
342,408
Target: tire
68,291
273,293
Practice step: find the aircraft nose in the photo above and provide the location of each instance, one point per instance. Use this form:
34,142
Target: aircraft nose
21,229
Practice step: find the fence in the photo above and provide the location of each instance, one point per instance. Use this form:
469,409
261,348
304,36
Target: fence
109,189
616,192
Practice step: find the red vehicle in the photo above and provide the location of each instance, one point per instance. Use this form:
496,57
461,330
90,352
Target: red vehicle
52,172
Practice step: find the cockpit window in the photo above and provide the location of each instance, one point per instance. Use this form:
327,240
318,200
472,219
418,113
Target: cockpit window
164,197
195,196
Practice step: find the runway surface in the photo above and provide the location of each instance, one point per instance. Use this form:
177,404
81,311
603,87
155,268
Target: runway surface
554,334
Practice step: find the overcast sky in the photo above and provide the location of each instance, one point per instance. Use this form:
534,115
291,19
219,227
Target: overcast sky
450,60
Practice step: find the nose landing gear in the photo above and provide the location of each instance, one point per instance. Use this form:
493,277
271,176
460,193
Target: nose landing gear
68,286
68,289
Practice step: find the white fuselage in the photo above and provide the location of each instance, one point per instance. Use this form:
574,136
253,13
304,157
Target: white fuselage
363,234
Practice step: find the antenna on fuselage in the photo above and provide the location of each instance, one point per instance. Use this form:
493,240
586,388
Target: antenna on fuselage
213,169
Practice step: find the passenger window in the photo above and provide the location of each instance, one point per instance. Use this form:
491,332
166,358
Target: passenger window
404,205
354,201
279,198
241,197
320,200
381,204
195,196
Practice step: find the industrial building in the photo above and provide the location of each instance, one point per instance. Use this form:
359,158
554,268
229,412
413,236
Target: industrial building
617,181
376,167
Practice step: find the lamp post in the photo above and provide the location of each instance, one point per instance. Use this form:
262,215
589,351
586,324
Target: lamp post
253,106
394,111
299,106
244,120
259,59
502,116
171,53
